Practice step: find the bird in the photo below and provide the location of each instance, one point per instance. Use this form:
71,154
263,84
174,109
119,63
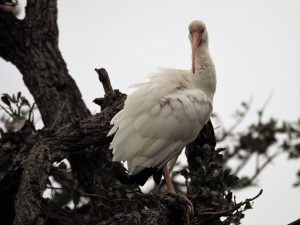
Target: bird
11,7
165,113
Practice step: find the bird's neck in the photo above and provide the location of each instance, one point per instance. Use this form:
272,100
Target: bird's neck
205,71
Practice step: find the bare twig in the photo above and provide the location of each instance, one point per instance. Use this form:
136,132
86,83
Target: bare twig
237,123
89,195
263,108
10,114
243,163
257,161
30,112
237,206
259,169
296,222
104,79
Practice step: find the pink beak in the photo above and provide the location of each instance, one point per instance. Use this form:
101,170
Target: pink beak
196,39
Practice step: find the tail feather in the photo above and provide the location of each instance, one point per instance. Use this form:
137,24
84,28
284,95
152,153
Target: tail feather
141,177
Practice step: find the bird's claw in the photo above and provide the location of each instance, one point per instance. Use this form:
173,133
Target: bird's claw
190,210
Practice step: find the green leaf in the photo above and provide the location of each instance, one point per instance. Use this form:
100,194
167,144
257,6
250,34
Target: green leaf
248,206
13,99
24,101
5,99
18,95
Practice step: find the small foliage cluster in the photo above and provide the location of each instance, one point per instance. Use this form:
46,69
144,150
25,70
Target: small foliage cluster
18,112
262,141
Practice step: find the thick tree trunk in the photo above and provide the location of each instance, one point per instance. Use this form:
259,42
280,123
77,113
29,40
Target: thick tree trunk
32,46
55,92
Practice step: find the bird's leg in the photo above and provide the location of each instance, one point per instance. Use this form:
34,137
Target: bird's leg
170,189
168,180
172,163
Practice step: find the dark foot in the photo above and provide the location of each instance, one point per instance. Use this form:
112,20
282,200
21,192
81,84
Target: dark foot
190,211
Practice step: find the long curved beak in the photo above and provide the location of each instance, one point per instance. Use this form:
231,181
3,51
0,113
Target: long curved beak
196,39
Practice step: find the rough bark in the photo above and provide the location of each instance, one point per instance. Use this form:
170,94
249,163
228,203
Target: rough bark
32,46
53,145
48,146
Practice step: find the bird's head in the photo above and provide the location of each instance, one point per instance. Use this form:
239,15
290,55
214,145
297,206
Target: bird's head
198,36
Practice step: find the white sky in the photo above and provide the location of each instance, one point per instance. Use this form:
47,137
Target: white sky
255,46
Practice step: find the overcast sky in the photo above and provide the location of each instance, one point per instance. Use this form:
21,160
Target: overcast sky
255,45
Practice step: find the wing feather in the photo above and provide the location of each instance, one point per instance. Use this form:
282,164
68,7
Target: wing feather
158,120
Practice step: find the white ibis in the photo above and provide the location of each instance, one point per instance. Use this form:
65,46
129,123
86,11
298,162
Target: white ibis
165,113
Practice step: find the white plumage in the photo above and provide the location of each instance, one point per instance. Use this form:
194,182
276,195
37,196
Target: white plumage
165,113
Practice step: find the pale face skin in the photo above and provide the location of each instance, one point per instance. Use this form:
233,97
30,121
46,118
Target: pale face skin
198,35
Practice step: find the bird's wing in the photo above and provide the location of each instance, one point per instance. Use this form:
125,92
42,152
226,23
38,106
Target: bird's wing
157,121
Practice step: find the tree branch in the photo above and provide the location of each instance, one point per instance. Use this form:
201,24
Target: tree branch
243,163
32,45
33,182
108,90
296,222
104,79
40,20
54,145
10,36
260,168
237,206
140,209
82,133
